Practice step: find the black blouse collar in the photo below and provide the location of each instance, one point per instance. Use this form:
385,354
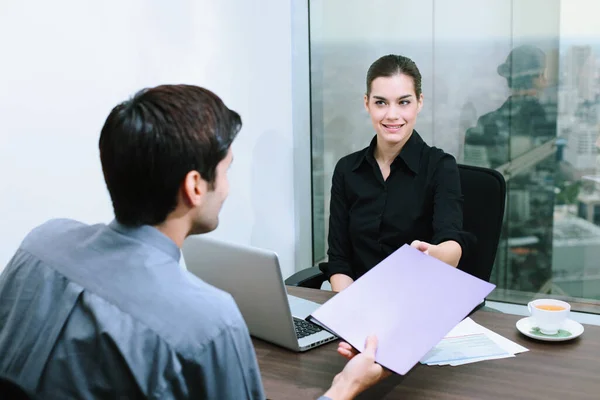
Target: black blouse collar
410,153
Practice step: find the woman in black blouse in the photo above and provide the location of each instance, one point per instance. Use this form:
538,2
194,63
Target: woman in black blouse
398,190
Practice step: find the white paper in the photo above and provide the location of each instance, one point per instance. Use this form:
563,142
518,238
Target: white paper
464,347
468,326
474,360
469,342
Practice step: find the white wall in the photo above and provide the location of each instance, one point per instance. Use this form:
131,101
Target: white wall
66,63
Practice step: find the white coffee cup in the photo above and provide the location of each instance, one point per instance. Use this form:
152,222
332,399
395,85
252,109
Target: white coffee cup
549,314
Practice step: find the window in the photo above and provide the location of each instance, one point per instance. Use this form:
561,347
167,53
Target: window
551,236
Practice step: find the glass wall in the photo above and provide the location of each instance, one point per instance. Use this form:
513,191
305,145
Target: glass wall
510,85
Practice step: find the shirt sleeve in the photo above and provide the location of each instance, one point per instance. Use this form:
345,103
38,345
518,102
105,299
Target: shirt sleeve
226,368
340,249
448,205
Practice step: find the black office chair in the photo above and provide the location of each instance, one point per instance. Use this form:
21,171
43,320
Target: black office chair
484,192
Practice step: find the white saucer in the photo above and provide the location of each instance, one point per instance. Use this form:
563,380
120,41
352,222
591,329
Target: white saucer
569,330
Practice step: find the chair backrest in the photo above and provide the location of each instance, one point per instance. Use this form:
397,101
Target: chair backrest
484,193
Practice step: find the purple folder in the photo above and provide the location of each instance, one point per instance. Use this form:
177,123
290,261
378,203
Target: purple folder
409,300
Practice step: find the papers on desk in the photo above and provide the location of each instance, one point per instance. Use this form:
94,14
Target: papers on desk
470,342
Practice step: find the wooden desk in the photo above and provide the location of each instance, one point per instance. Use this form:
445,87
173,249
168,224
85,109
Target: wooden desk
568,370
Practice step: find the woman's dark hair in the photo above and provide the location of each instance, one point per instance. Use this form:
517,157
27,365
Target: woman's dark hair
522,66
149,144
391,65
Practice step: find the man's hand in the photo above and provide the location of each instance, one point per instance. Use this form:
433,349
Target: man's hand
360,373
346,351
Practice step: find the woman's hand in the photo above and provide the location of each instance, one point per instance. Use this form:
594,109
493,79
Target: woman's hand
448,251
423,246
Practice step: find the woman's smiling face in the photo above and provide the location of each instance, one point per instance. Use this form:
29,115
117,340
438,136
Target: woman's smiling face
393,106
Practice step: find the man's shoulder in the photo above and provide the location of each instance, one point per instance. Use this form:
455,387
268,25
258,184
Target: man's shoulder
56,239
57,225
209,294
53,230
203,314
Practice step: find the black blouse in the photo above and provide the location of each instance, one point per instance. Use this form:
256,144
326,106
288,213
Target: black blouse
371,218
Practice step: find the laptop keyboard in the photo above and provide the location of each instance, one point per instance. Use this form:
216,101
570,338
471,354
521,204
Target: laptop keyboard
305,328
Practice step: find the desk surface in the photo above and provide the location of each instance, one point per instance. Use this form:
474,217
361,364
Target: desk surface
564,370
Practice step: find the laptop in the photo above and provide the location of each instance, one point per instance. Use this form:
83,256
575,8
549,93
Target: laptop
253,277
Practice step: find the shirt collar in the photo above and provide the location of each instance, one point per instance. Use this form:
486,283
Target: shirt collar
410,153
149,235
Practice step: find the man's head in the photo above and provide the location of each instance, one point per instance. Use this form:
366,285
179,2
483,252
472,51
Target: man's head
165,153
524,68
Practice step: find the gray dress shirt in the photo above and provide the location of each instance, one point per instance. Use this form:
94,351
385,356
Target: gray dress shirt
106,312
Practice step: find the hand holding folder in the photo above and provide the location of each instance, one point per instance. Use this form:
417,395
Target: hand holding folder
409,301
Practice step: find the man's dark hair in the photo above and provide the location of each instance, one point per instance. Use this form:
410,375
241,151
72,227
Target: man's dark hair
151,142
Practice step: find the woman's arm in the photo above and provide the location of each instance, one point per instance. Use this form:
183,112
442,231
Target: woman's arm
338,268
340,282
449,240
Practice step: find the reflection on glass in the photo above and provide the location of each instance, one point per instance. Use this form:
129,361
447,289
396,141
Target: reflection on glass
517,90
576,270
509,139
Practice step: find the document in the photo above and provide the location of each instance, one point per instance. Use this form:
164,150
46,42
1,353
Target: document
410,301
470,342
466,347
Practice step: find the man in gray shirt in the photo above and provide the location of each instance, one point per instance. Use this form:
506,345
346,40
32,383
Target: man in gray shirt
105,311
